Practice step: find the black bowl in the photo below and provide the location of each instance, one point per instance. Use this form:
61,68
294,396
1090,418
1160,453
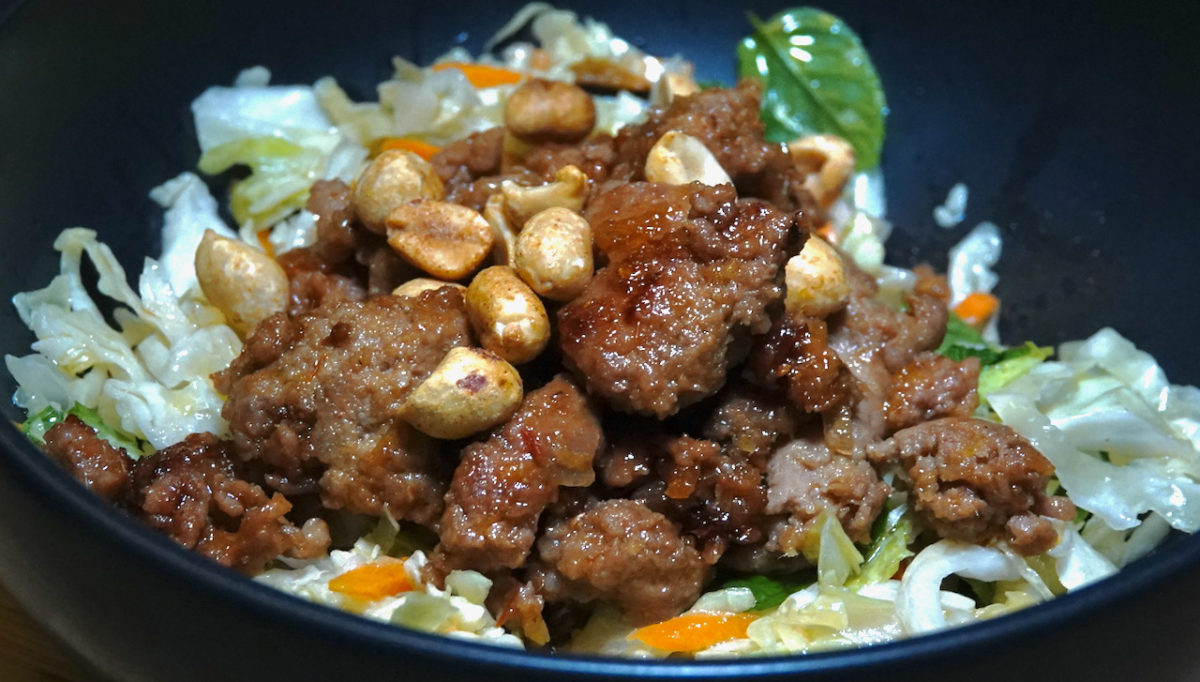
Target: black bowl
1073,126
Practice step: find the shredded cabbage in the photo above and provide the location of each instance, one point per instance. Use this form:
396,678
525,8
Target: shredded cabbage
1122,438
457,611
149,375
281,134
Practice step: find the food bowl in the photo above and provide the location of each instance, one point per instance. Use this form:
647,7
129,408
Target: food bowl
1073,129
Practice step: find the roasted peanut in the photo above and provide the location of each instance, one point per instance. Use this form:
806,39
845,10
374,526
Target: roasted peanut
549,111
445,240
672,84
827,161
394,178
568,190
678,158
245,284
508,317
816,280
414,287
503,236
554,254
470,390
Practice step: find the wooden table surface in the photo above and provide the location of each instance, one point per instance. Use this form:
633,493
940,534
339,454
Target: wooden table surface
29,653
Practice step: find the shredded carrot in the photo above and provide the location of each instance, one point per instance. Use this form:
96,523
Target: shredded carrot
265,241
482,75
825,231
419,147
977,308
694,631
373,581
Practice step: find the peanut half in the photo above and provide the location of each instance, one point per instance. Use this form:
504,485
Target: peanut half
470,390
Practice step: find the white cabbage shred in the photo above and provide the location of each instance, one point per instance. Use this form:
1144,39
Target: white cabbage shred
148,375
283,134
952,212
457,611
1122,438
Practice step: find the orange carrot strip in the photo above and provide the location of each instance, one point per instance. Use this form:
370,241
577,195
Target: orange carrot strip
694,631
265,242
482,75
825,231
373,581
977,308
419,147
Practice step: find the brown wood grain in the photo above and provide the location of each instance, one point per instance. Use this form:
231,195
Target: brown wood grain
29,653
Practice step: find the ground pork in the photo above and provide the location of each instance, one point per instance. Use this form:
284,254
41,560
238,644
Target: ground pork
713,494
346,262
621,552
794,358
873,340
976,481
688,267
749,420
502,485
471,169
89,459
932,386
314,399
804,478
193,492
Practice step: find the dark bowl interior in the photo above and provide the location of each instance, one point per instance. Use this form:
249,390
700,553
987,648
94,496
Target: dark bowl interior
1072,125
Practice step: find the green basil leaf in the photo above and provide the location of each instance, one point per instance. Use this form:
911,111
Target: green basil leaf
962,341
817,78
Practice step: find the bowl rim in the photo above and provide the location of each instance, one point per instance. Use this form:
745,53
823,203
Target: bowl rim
42,477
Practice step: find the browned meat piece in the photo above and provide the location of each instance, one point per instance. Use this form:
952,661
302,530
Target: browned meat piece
472,169
622,552
192,491
629,459
716,497
594,156
873,340
310,289
688,266
750,421
649,335
316,398
794,357
725,120
870,329
932,386
923,325
337,239
474,156
709,222
346,262
976,481
805,477
502,485
89,459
